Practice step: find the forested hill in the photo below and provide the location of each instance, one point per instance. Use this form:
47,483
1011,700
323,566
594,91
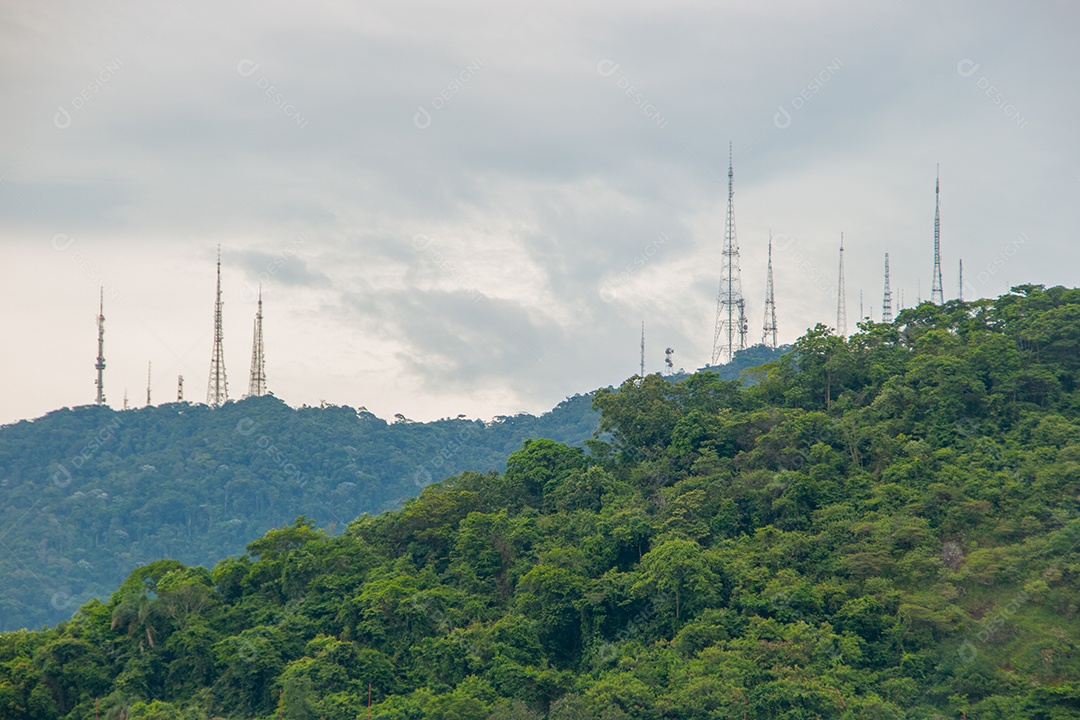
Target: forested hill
88,494
883,526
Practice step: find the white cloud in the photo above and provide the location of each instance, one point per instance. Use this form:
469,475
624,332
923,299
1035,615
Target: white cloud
541,182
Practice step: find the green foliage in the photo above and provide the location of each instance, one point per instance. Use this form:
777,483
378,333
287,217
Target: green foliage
89,494
884,526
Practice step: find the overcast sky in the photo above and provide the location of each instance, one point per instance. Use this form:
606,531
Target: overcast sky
471,207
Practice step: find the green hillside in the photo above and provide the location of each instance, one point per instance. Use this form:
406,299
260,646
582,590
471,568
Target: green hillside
88,494
885,526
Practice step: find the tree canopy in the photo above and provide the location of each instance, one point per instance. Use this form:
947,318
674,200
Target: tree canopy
880,526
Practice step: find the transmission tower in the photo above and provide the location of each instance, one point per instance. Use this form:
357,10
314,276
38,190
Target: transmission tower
217,390
960,295
257,384
149,366
179,388
641,374
937,294
768,334
100,364
841,296
886,303
729,334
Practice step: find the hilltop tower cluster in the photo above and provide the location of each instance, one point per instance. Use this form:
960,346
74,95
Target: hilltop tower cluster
729,331
217,387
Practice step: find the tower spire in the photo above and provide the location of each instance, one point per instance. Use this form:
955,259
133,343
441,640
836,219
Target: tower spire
768,335
841,296
100,364
217,390
886,303
937,294
729,333
257,384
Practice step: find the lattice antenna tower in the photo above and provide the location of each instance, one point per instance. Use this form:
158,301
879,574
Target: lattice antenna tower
257,384
179,388
768,334
149,367
743,326
729,333
217,390
841,296
960,295
937,294
641,374
886,303
100,364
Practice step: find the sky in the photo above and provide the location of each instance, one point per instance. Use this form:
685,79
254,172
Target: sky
470,208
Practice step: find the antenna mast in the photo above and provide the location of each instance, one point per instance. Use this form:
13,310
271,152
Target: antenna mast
257,384
179,388
886,303
217,391
937,294
960,296
841,296
730,308
100,364
642,373
149,365
768,335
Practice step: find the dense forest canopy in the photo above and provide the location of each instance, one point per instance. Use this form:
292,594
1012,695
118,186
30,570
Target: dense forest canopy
881,526
88,494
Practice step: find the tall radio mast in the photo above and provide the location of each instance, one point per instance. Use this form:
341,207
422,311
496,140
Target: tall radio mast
257,384
729,334
768,336
217,390
886,303
937,293
100,364
841,296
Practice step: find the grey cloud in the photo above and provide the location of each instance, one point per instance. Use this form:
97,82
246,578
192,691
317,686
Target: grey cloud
540,177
